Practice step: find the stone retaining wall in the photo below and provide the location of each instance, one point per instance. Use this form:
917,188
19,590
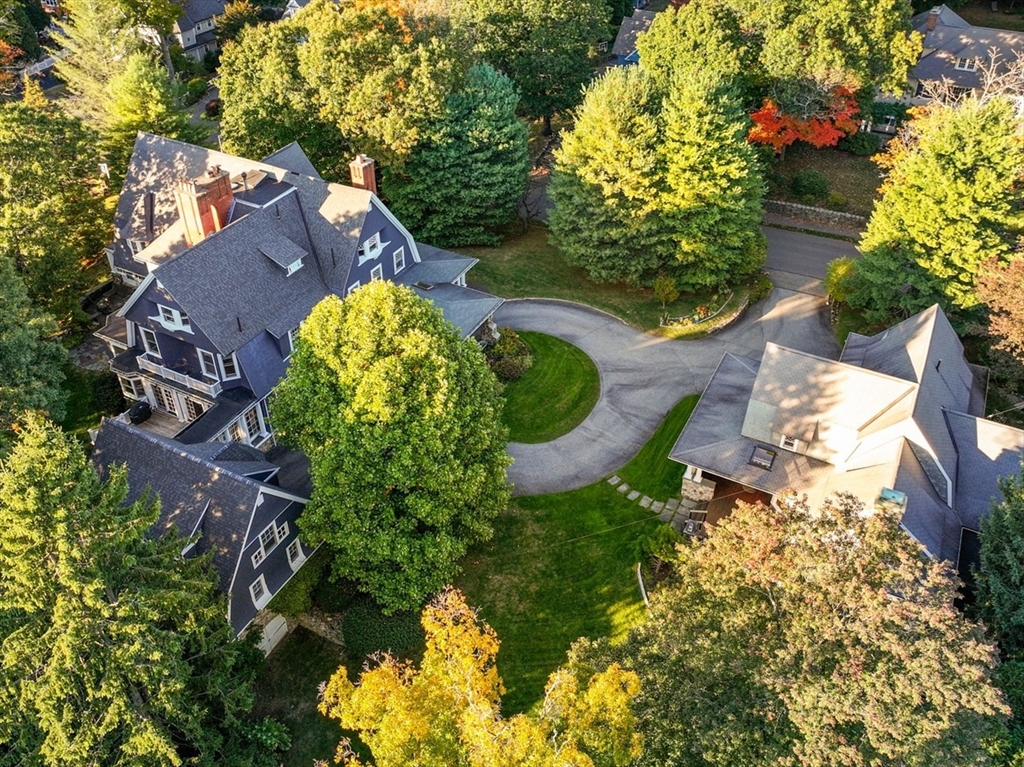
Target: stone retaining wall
817,215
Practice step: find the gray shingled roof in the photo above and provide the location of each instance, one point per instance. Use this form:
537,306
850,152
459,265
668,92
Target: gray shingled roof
927,517
631,28
291,157
195,11
465,308
194,492
987,451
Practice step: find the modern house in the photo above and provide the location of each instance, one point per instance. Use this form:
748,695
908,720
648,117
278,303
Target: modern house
228,256
227,496
897,420
195,29
632,27
955,51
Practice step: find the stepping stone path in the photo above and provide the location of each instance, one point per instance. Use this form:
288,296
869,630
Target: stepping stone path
674,511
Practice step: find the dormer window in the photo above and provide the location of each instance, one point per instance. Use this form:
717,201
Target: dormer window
789,443
371,248
173,319
294,266
966,65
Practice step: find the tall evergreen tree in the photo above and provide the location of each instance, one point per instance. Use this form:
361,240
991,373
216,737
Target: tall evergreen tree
711,201
463,181
115,648
1001,575
608,177
30,364
400,419
952,199
51,211
267,103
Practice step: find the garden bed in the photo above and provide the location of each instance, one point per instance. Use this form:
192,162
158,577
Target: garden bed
852,180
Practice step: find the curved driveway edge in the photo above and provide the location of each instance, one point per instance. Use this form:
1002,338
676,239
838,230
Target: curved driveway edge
642,377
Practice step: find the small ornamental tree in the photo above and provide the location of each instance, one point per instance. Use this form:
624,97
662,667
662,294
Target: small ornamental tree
777,129
448,711
400,419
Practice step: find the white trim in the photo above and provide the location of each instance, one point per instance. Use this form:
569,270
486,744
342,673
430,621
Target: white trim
399,252
789,443
352,288
291,335
145,341
398,225
377,273
293,267
223,370
262,601
172,319
147,280
207,365
296,558
966,64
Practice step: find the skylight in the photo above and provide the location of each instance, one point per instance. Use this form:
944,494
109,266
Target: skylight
762,457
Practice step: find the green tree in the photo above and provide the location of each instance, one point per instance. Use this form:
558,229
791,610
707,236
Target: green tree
1000,577
157,16
237,15
447,711
463,181
607,180
115,648
51,212
141,98
548,49
952,199
792,637
711,200
16,29
400,419
30,364
98,39
267,103
381,84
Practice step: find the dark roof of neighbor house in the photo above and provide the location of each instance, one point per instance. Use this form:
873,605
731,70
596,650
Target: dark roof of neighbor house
291,157
200,490
630,29
954,38
923,441
194,11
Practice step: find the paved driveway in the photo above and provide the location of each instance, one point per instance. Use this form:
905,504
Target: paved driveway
797,261
642,377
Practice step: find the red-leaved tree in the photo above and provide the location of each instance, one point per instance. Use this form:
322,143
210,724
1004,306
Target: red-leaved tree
8,56
779,129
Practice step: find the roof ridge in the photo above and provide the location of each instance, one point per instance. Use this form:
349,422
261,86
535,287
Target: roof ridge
850,366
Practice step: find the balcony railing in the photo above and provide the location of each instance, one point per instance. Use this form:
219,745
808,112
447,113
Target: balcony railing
209,389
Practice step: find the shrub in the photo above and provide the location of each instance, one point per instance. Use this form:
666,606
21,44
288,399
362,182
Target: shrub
335,596
510,357
196,89
809,185
879,111
837,201
296,597
760,287
837,278
106,393
367,630
665,290
863,143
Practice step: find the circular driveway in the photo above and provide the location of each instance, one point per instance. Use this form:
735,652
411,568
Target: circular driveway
642,377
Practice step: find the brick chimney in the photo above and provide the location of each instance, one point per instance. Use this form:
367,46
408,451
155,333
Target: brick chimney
933,17
204,204
364,174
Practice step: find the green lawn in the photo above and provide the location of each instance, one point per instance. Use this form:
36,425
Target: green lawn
981,14
90,397
651,472
526,265
287,690
855,178
554,396
560,566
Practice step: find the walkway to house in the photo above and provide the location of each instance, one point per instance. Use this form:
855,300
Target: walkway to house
642,377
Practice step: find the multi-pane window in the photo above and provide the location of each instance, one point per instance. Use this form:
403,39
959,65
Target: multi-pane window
377,273
269,538
259,592
229,366
967,65
194,408
174,319
294,553
399,260
294,266
208,364
252,423
132,387
236,432
149,341
165,399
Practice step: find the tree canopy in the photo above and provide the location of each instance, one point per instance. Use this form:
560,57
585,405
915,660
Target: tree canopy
400,419
51,212
115,648
463,181
448,711
952,200
812,638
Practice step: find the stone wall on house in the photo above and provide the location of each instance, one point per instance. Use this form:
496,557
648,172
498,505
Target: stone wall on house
816,215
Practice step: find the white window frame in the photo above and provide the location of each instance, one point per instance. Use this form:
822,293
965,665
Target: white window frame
292,334
260,601
371,248
377,273
296,556
234,364
260,425
164,395
172,319
130,387
198,407
966,65
352,288
208,364
789,443
236,431
263,548
293,267
149,342
399,259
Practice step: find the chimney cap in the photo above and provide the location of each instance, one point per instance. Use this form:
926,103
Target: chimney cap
936,10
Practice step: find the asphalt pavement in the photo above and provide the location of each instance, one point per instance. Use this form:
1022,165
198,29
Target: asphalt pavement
797,261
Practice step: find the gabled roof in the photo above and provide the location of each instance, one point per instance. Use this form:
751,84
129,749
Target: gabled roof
200,489
291,157
195,11
631,28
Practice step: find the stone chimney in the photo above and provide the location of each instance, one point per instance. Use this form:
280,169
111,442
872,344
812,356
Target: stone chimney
933,17
204,204
364,173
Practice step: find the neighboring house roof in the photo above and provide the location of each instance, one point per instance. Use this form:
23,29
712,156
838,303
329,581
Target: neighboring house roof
899,410
629,30
952,38
194,11
291,157
293,7
200,491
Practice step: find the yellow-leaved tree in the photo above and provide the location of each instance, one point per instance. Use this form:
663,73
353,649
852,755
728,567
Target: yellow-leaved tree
447,713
